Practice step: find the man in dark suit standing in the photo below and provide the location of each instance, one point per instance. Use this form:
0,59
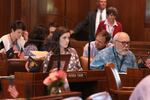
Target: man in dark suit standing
92,20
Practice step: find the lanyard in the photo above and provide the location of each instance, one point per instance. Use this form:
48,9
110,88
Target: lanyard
121,60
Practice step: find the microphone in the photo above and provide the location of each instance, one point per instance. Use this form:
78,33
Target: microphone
1,45
89,49
89,53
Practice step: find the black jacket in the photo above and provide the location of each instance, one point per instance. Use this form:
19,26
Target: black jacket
89,23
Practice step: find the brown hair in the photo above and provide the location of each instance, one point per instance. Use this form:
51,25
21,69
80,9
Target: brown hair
105,34
113,11
54,42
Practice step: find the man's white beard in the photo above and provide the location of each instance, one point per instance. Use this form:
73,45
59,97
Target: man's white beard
123,52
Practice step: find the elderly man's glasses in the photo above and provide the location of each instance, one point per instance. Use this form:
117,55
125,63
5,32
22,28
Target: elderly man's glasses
124,42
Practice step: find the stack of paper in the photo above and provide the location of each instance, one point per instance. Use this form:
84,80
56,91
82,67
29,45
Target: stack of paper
39,54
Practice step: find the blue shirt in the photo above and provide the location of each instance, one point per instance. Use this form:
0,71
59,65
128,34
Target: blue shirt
110,55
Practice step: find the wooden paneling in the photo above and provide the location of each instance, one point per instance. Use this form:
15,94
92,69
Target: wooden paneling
131,15
64,12
5,12
15,10
76,11
51,10
147,12
26,13
71,12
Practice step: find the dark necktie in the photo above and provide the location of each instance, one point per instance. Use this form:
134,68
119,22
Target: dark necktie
100,17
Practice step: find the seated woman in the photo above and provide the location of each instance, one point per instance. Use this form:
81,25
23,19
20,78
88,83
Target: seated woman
14,41
60,43
35,40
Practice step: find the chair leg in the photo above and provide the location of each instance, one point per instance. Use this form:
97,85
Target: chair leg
123,97
114,96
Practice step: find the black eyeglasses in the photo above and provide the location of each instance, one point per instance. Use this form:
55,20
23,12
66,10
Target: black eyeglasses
124,42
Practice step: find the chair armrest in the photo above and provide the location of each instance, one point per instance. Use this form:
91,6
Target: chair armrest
120,92
128,88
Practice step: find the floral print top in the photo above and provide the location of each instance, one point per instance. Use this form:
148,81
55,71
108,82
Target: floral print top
74,63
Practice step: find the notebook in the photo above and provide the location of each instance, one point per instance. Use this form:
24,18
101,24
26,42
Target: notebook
39,54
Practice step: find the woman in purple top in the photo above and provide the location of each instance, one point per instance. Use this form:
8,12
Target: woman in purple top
36,38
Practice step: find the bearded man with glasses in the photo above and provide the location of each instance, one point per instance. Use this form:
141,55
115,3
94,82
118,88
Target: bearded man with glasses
118,54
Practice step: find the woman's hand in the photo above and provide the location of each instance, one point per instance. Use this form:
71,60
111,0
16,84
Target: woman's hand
27,66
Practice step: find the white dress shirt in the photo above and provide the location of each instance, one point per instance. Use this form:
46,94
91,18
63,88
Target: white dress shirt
103,15
8,43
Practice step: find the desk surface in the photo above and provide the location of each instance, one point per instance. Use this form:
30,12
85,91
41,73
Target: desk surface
62,95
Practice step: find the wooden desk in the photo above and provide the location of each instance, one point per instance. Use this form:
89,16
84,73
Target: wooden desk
3,67
134,76
10,66
88,82
31,84
27,84
57,96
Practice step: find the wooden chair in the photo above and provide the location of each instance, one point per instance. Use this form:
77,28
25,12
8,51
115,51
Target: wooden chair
84,62
100,96
117,91
78,46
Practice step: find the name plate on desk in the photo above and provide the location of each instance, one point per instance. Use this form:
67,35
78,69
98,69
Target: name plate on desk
86,76
77,74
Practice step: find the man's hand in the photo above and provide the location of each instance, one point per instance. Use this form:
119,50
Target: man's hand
147,63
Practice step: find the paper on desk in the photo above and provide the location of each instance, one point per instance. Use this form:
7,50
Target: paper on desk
39,54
